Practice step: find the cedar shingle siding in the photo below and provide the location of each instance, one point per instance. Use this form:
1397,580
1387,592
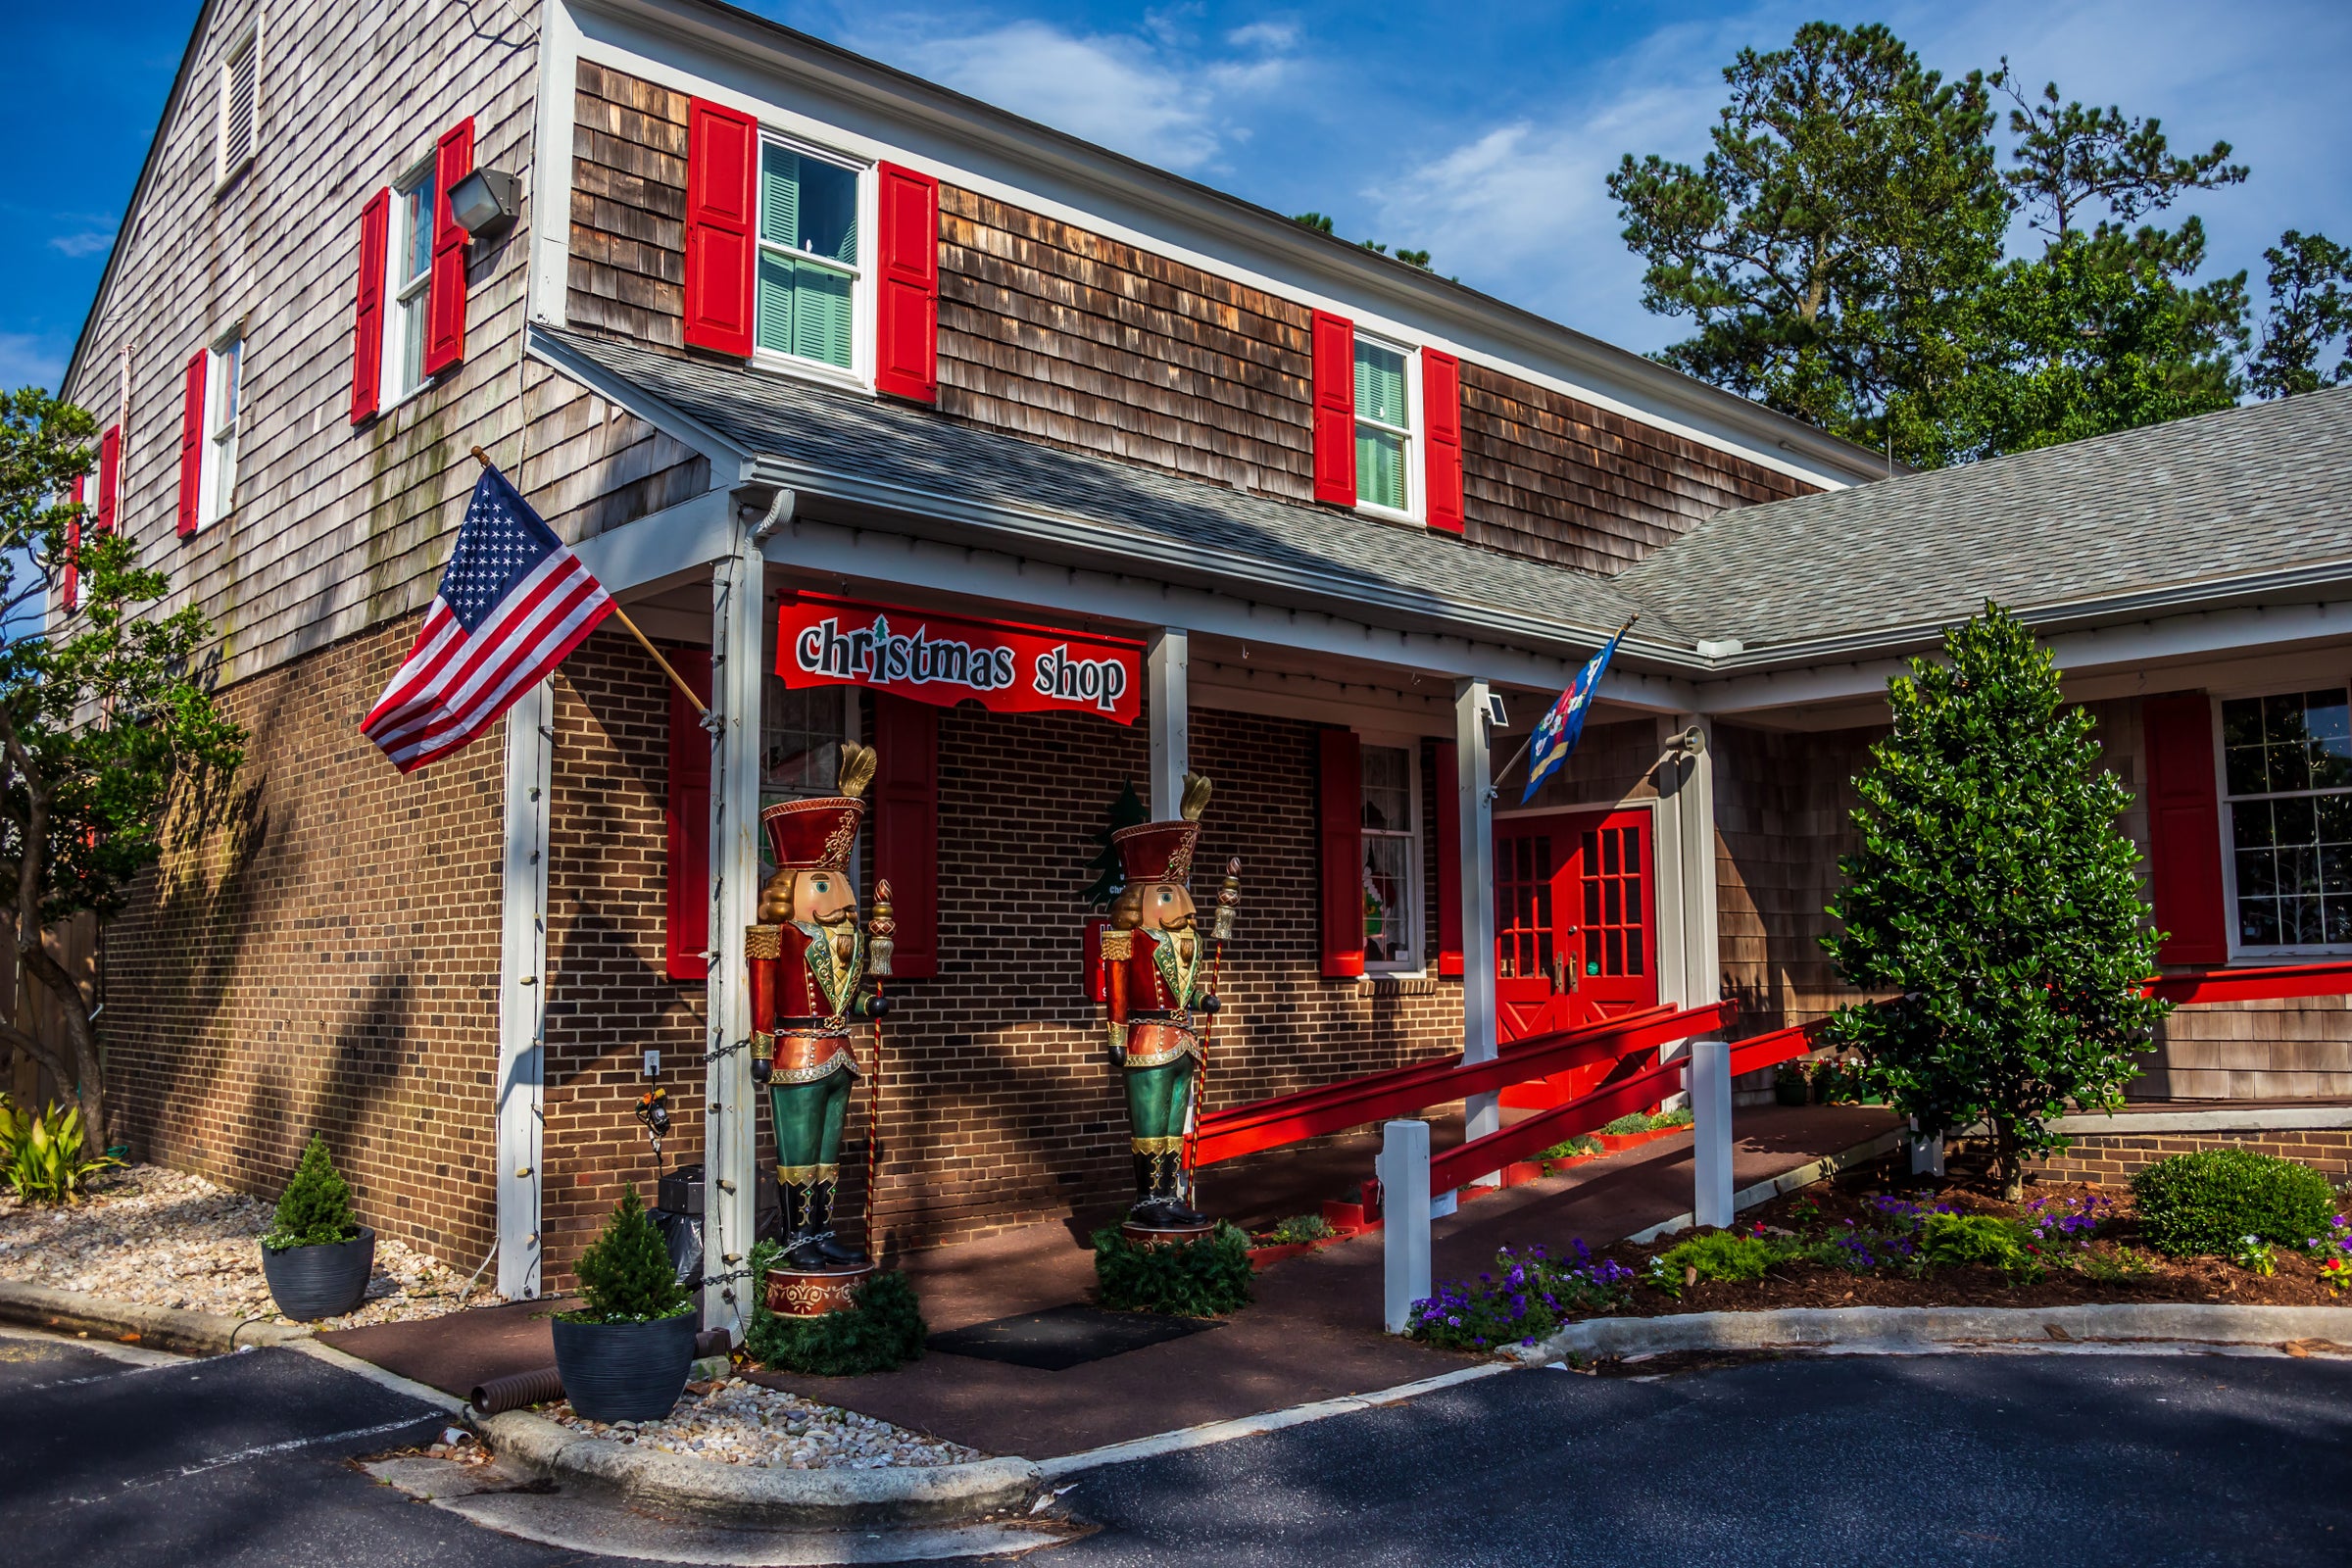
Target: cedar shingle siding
628,208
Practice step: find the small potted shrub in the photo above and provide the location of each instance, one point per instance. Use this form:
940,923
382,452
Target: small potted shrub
625,1355
315,1255
1789,1086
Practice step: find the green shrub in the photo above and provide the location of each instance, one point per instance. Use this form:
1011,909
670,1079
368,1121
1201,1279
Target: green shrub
1679,1116
1570,1147
627,1275
1722,1255
47,1160
1633,1121
880,1331
2212,1200
1298,1228
1949,1240
315,1209
1206,1277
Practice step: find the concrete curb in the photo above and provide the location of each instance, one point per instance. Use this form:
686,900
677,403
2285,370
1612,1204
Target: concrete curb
1940,1328
744,1495
161,1328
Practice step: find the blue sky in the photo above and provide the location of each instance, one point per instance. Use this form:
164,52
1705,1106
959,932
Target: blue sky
1480,133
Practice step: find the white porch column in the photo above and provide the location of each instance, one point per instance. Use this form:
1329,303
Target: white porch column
1473,772
522,992
1710,1083
1170,711
1694,805
1404,1167
729,1137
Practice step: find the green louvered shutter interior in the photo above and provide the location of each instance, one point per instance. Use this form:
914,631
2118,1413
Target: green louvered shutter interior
810,206
1380,454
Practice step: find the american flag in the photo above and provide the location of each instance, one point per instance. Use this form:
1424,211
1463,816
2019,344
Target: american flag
513,602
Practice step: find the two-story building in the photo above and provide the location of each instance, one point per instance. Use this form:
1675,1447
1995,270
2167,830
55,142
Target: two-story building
1124,477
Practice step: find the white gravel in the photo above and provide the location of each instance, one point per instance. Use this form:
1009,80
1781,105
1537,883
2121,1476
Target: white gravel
163,1238
738,1422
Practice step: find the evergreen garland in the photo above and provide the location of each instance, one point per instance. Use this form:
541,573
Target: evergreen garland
315,1209
882,1330
1207,1276
627,1275
1995,898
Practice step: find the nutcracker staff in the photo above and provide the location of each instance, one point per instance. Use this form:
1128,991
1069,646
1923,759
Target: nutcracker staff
810,965
1156,964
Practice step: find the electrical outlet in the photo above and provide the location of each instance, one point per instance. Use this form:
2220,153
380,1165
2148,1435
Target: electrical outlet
653,1064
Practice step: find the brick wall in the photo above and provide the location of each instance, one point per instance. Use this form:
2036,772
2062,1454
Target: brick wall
2109,1159
317,950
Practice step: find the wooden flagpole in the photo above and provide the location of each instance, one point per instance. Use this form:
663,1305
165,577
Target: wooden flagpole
623,615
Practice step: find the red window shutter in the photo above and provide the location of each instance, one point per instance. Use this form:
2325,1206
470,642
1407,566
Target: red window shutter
687,883
2185,828
70,584
1449,862
1335,410
445,309
1442,409
723,163
906,303
367,324
1339,812
191,441
110,476
906,827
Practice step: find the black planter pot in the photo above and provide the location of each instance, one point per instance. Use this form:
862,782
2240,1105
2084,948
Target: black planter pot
625,1371
1791,1090
316,1282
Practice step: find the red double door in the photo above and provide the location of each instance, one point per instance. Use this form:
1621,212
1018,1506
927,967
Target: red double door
1576,932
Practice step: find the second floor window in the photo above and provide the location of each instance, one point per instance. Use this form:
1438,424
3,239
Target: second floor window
414,216
2286,764
1383,432
217,494
809,262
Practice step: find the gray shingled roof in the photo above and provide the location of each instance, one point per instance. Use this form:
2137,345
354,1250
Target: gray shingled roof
2233,495
1231,533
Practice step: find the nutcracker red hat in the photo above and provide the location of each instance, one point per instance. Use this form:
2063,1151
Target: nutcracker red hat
1163,852
816,835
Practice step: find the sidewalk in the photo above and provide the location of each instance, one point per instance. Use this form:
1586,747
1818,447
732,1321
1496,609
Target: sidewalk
1314,1332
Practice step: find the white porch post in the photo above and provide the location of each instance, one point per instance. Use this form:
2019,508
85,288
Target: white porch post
1168,682
1404,1167
730,1204
1473,772
1711,1082
522,992
1686,882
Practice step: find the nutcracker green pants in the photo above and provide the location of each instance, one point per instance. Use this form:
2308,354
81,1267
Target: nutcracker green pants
1157,1097
807,1120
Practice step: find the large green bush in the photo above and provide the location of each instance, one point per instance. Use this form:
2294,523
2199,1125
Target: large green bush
881,1330
2212,1200
315,1209
1206,1277
627,1275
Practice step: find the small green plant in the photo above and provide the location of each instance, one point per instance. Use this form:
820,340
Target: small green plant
2256,1257
50,1164
880,1331
1723,1256
1572,1147
315,1209
2207,1202
1951,1240
627,1275
1206,1277
1527,1298
2113,1266
1633,1121
1298,1228
1679,1116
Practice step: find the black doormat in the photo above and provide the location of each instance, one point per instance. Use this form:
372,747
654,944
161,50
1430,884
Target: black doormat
1063,1337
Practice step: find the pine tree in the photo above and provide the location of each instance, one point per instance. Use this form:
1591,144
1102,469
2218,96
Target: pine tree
627,1275
316,1208
1995,898
1125,811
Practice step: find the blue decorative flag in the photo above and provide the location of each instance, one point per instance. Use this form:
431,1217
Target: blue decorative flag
1555,737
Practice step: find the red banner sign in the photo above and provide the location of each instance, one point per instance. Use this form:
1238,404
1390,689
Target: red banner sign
941,660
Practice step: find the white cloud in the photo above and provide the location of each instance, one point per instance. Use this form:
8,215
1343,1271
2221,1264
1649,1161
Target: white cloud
89,242
29,361
1122,91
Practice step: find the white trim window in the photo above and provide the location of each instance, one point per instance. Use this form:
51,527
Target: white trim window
1388,397
1390,858
224,404
808,298
237,122
799,743
409,281
2287,790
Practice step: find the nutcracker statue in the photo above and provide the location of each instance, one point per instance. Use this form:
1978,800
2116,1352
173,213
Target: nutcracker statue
812,966
1161,990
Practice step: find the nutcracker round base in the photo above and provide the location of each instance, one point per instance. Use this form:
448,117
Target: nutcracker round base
815,1291
1144,1233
